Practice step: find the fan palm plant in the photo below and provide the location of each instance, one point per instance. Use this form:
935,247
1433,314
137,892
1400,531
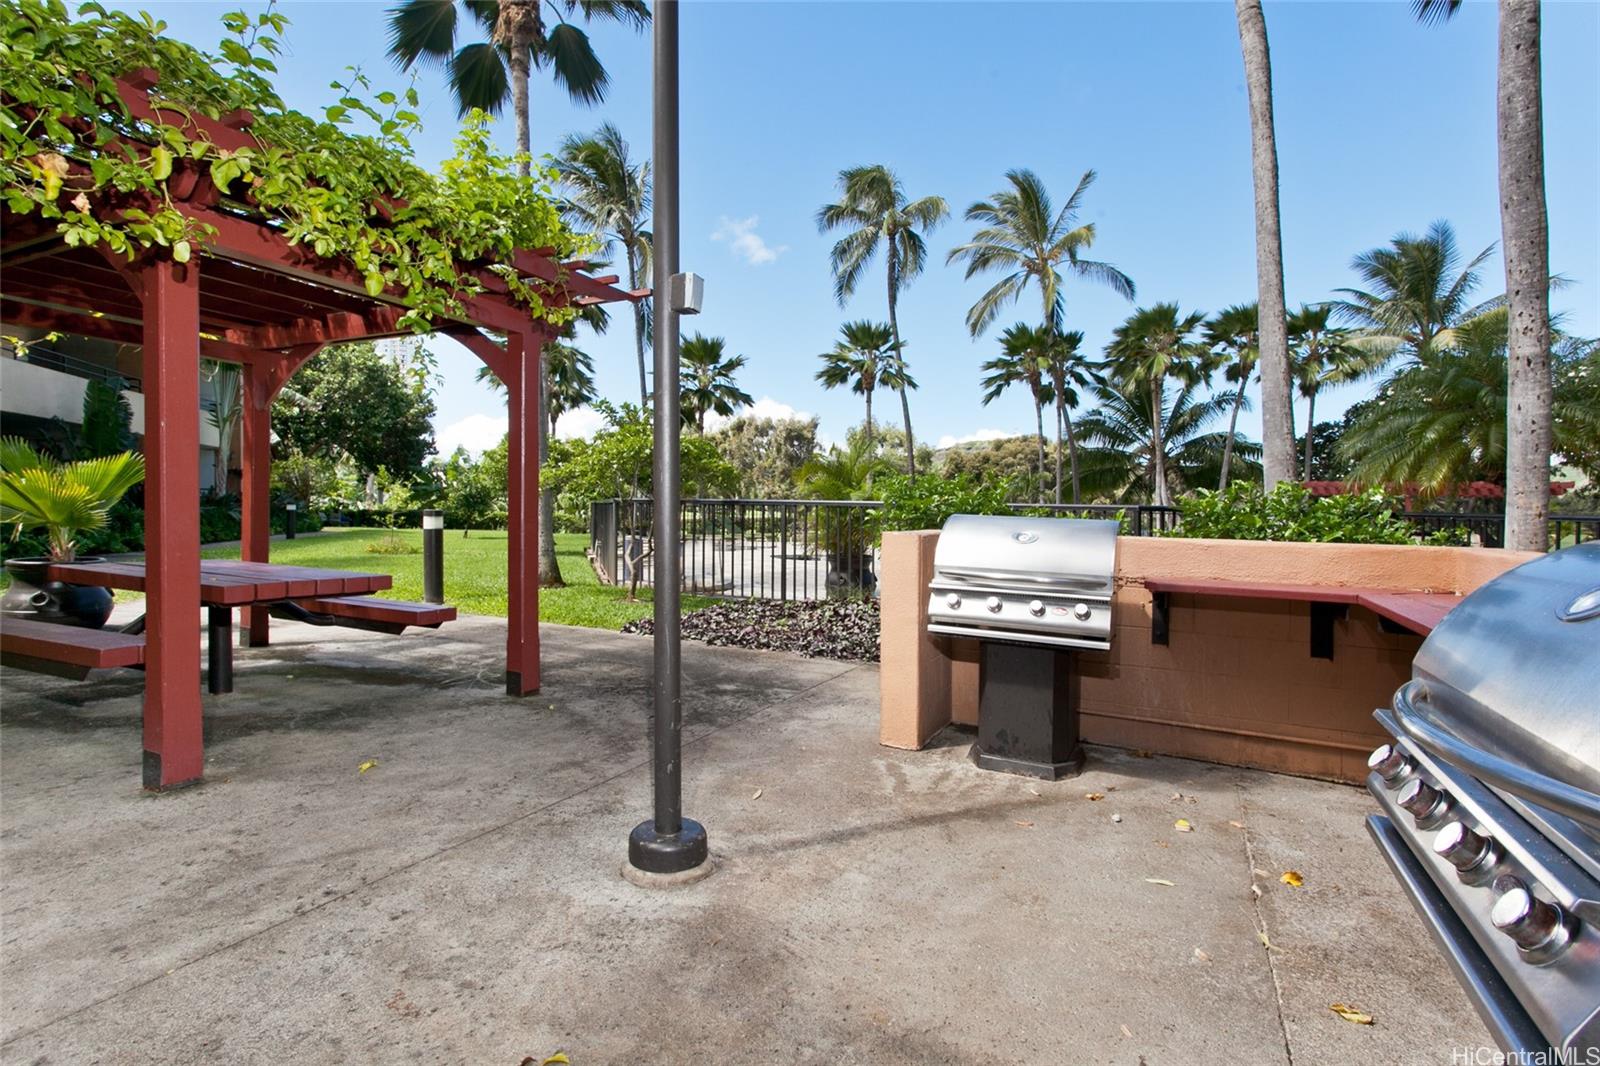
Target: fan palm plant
609,195
873,209
862,359
1025,236
571,384
707,382
1154,344
1122,457
65,499
1069,372
1234,334
1022,362
1322,354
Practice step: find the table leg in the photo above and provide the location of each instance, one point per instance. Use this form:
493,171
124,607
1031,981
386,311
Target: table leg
219,646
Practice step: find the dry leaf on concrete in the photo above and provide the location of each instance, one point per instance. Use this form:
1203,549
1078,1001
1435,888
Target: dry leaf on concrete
1161,881
1237,825
1127,1032
1255,891
1094,795
1292,878
364,767
1351,1014
1183,825
1200,956
1269,945
756,794
1025,825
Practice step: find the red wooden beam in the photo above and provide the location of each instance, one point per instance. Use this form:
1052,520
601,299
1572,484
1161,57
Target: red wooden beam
339,326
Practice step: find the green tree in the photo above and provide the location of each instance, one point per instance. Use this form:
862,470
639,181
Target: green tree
1123,458
571,384
1323,354
842,473
1009,459
864,360
1069,371
356,403
107,425
1234,335
1024,235
707,383
768,453
1021,362
1154,344
873,210
609,195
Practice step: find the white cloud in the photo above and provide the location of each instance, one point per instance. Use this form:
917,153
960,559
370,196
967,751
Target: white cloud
740,235
947,441
580,422
476,433
766,407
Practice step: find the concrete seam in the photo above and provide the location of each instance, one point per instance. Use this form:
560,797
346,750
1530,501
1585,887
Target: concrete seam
1261,923
406,868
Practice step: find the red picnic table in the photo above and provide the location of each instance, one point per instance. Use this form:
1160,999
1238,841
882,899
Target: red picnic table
227,583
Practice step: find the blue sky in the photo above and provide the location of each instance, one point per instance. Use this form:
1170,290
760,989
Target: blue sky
1383,126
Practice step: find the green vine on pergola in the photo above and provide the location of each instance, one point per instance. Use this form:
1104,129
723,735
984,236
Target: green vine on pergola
73,152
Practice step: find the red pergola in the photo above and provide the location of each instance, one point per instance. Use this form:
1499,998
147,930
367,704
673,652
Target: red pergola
251,297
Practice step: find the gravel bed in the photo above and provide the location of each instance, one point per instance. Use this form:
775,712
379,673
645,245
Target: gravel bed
828,629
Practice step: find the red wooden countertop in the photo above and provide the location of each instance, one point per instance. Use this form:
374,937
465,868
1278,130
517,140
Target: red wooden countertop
1417,611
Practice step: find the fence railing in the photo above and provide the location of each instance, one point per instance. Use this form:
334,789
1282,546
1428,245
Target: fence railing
814,549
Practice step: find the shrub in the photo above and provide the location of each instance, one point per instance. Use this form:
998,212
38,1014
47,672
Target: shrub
925,501
1290,512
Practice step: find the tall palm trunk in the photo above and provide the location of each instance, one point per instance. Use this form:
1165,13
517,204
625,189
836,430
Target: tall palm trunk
894,334
1311,425
1158,445
1525,235
1061,414
1233,425
1038,422
1072,452
638,322
869,417
1277,427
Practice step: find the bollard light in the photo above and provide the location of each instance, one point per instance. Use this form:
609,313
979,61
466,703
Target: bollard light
432,556
288,521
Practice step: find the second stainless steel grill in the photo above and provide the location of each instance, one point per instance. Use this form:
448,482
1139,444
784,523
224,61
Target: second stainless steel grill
1027,580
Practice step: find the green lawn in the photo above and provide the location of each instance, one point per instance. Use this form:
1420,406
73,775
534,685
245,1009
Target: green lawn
474,573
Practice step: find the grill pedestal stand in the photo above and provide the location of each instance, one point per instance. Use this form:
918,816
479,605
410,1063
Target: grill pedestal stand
1026,721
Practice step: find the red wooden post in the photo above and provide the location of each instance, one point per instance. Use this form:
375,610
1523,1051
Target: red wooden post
522,548
173,744
255,490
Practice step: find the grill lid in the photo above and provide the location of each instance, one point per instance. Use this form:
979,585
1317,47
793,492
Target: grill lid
1514,669
1044,554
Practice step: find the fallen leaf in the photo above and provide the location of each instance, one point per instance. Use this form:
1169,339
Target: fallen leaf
1177,795
1292,878
1035,791
364,767
1255,891
1140,753
1117,818
1025,825
1127,1032
1161,881
1182,825
1200,956
756,794
1237,825
1351,1014
1269,945
1094,796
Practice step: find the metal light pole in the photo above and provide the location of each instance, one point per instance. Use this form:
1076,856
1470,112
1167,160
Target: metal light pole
669,843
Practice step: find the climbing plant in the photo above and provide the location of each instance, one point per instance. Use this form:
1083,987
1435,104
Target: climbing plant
343,186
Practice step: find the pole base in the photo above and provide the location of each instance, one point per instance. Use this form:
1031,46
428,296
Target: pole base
673,853
1072,766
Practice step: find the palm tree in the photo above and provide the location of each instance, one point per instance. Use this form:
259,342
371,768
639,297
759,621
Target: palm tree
861,360
1525,232
1035,244
571,380
841,473
1323,354
1069,371
1156,343
1022,362
707,382
483,74
1277,409
1235,334
609,194
873,210
1416,289
1120,457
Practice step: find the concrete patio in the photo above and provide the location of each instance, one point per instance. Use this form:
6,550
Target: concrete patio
460,901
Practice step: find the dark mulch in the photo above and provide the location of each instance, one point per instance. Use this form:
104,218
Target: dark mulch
830,629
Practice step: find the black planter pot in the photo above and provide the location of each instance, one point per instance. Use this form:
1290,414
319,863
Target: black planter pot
34,597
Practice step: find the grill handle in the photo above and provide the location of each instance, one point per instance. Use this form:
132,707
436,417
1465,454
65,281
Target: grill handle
1014,578
1519,780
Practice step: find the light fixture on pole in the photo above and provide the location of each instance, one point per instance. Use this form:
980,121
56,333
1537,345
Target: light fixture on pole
667,845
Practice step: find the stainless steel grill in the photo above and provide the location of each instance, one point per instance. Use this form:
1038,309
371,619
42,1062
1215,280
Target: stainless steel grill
1028,580
1491,799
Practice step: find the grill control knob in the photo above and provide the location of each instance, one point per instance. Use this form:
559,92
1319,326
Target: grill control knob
1470,853
993,603
1390,764
1427,805
952,601
1081,612
1540,929
1036,608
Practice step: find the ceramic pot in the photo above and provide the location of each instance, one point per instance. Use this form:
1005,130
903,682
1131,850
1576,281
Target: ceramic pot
31,595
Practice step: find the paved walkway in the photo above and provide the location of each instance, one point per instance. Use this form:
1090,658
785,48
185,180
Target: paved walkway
460,901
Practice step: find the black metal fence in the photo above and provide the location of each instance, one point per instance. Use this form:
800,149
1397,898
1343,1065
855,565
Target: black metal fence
814,549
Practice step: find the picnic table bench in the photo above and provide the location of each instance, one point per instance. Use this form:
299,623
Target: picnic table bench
67,651
1398,610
